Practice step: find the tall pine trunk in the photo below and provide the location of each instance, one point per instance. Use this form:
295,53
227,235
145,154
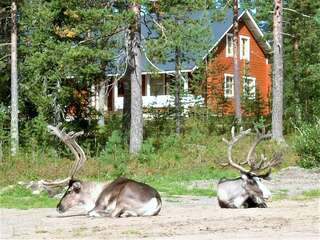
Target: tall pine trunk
14,82
236,63
136,126
177,91
277,86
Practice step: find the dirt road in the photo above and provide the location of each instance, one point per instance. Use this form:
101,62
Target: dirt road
191,218
184,218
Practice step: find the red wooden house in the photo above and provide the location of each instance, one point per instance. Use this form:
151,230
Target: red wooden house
218,77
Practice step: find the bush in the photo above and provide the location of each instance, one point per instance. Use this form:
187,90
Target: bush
115,154
307,145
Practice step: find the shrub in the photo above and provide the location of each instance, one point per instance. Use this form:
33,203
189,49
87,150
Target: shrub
115,154
307,145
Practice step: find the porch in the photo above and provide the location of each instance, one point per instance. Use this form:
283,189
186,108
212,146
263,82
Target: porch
156,93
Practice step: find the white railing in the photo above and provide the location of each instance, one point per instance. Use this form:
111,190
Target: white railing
163,101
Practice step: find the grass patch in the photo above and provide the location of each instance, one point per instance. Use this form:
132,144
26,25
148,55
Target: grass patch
178,183
22,198
169,185
310,194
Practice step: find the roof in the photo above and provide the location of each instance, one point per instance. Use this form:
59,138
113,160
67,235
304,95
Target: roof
218,29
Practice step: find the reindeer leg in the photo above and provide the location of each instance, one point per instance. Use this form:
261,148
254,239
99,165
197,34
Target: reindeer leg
117,212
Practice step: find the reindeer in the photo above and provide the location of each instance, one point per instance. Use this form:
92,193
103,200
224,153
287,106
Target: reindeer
246,191
122,197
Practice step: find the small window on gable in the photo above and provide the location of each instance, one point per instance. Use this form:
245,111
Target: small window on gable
245,48
229,45
228,85
249,87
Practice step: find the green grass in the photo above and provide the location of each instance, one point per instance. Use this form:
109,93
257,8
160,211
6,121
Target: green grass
314,193
310,194
169,185
178,183
22,198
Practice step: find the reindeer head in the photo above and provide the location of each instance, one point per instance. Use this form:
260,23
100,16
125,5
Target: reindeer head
71,196
252,183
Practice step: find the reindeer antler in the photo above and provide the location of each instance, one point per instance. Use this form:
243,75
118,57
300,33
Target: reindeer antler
70,140
231,143
251,159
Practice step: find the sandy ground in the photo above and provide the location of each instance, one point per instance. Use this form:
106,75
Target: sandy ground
184,217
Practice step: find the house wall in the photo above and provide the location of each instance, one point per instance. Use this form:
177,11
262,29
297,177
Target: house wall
219,65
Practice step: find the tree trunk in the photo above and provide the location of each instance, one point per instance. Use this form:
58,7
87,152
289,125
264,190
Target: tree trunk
177,91
101,102
136,126
277,87
14,82
236,63
296,84
126,114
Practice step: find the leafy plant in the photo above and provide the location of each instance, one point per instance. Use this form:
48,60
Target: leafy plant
307,144
115,154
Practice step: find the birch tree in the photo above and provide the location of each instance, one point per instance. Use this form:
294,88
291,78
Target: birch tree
14,82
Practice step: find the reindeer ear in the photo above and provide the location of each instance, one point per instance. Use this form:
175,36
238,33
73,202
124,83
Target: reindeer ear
76,186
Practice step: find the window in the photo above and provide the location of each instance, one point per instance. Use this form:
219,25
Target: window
228,85
244,48
157,85
249,87
229,45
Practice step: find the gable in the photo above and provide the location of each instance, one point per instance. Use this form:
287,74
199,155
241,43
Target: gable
219,30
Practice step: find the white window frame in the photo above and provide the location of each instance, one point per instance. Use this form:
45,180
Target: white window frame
229,44
228,95
252,92
245,55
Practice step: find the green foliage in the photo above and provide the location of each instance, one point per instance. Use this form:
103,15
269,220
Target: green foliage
4,125
115,154
35,133
307,145
302,67
147,152
22,198
65,48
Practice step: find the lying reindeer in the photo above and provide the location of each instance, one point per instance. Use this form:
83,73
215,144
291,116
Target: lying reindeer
248,190
122,197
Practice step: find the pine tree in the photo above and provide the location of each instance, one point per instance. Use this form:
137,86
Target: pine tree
236,63
277,86
66,49
182,37
136,117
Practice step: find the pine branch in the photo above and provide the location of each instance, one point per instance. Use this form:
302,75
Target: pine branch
4,44
295,11
5,56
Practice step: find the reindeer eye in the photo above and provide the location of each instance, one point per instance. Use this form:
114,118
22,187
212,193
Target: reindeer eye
251,181
76,190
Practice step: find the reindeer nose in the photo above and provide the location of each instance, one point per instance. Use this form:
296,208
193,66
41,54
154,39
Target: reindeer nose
266,194
60,209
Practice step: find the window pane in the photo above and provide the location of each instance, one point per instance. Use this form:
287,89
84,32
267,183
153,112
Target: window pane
157,86
228,86
249,87
229,45
244,48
